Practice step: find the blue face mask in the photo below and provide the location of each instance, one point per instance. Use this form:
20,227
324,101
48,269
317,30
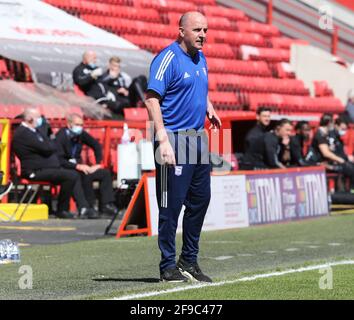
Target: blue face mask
92,65
39,122
77,130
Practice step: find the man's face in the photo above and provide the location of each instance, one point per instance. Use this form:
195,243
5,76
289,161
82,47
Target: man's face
35,115
76,122
264,118
194,31
90,58
342,128
285,131
305,131
114,68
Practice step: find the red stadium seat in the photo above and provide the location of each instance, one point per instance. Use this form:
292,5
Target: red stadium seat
167,6
265,54
256,27
230,13
322,89
225,100
285,43
251,68
236,38
136,114
219,50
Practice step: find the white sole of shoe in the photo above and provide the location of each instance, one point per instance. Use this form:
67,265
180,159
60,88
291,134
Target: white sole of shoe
188,275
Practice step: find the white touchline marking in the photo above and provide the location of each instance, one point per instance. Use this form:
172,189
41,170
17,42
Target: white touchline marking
292,249
245,254
313,247
334,244
221,283
222,241
269,251
222,257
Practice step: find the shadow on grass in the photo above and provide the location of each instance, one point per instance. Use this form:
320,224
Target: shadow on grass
146,280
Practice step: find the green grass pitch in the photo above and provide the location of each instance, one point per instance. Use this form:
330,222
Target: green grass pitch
110,268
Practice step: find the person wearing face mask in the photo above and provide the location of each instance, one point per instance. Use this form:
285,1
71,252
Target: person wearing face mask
335,138
323,150
127,92
70,141
85,76
36,149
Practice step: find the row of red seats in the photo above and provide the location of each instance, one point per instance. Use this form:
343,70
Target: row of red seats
267,30
322,89
154,45
214,22
295,103
228,82
125,26
167,6
225,100
250,68
236,38
285,43
230,13
271,55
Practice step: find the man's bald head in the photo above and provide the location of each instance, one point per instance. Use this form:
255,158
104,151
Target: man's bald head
89,57
30,116
189,17
193,27
31,112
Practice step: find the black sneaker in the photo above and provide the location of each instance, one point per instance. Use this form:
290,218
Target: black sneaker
108,210
172,275
192,271
88,213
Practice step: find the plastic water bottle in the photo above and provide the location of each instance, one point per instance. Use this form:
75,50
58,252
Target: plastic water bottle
125,137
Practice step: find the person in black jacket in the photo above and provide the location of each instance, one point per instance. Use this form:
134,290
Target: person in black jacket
297,144
39,161
70,141
127,92
277,146
253,157
85,76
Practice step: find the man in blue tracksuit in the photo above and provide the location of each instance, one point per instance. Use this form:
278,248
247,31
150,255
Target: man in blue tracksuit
178,102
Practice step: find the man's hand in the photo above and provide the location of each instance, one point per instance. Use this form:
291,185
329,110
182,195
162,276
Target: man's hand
96,73
95,168
215,122
123,91
167,153
83,168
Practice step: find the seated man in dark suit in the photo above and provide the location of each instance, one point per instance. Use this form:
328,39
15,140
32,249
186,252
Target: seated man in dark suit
70,141
39,161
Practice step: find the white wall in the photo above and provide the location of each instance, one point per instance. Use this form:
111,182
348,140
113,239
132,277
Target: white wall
311,63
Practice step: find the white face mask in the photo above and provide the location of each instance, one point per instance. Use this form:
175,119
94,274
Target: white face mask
342,132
